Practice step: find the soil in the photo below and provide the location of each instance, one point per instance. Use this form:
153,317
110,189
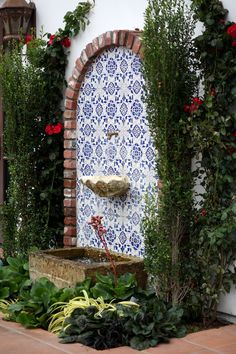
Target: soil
199,326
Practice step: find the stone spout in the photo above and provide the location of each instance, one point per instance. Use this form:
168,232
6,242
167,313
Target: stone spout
107,186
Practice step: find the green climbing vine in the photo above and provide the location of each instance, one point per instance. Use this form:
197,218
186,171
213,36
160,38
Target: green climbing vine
213,135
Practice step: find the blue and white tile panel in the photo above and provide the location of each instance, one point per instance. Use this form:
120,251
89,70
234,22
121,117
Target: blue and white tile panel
110,99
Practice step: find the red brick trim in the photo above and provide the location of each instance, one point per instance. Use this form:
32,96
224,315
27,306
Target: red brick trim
129,39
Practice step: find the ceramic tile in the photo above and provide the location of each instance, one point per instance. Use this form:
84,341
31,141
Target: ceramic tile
111,100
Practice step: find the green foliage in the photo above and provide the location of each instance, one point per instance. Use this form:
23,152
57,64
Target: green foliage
81,314
32,84
169,71
108,288
212,129
204,231
77,20
14,277
140,327
33,301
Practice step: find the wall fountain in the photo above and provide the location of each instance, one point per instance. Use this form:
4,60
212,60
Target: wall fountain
115,169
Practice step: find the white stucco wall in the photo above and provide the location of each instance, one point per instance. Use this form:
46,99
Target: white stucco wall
106,15
110,15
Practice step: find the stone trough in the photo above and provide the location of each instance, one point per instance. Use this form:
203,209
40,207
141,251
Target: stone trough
67,266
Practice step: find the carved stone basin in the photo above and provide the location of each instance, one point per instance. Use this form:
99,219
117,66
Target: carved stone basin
65,266
107,186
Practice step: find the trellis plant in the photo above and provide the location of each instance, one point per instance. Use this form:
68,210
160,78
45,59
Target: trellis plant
213,135
185,125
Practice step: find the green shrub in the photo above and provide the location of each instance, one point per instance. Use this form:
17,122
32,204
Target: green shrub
170,75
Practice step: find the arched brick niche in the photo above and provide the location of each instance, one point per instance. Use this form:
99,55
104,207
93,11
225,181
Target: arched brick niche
128,39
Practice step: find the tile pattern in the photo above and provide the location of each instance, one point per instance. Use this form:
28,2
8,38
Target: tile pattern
110,99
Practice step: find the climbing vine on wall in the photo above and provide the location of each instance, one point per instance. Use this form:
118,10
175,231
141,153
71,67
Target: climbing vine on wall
213,135
183,125
32,78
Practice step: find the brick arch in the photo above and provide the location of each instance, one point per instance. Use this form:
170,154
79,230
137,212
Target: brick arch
128,39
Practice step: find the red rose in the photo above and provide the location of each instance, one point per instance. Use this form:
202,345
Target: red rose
203,213
186,108
231,30
193,108
57,128
197,101
66,42
51,39
28,38
49,129
233,44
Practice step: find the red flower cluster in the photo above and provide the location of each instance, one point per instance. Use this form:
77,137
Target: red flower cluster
96,223
65,42
194,106
231,31
51,129
51,39
28,38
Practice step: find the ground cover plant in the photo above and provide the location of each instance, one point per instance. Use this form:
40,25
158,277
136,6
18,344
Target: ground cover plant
105,314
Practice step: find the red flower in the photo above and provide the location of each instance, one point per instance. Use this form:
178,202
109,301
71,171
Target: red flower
231,30
57,128
234,134
233,44
196,102
49,129
186,108
51,39
28,38
213,92
203,212
66,42
193,108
